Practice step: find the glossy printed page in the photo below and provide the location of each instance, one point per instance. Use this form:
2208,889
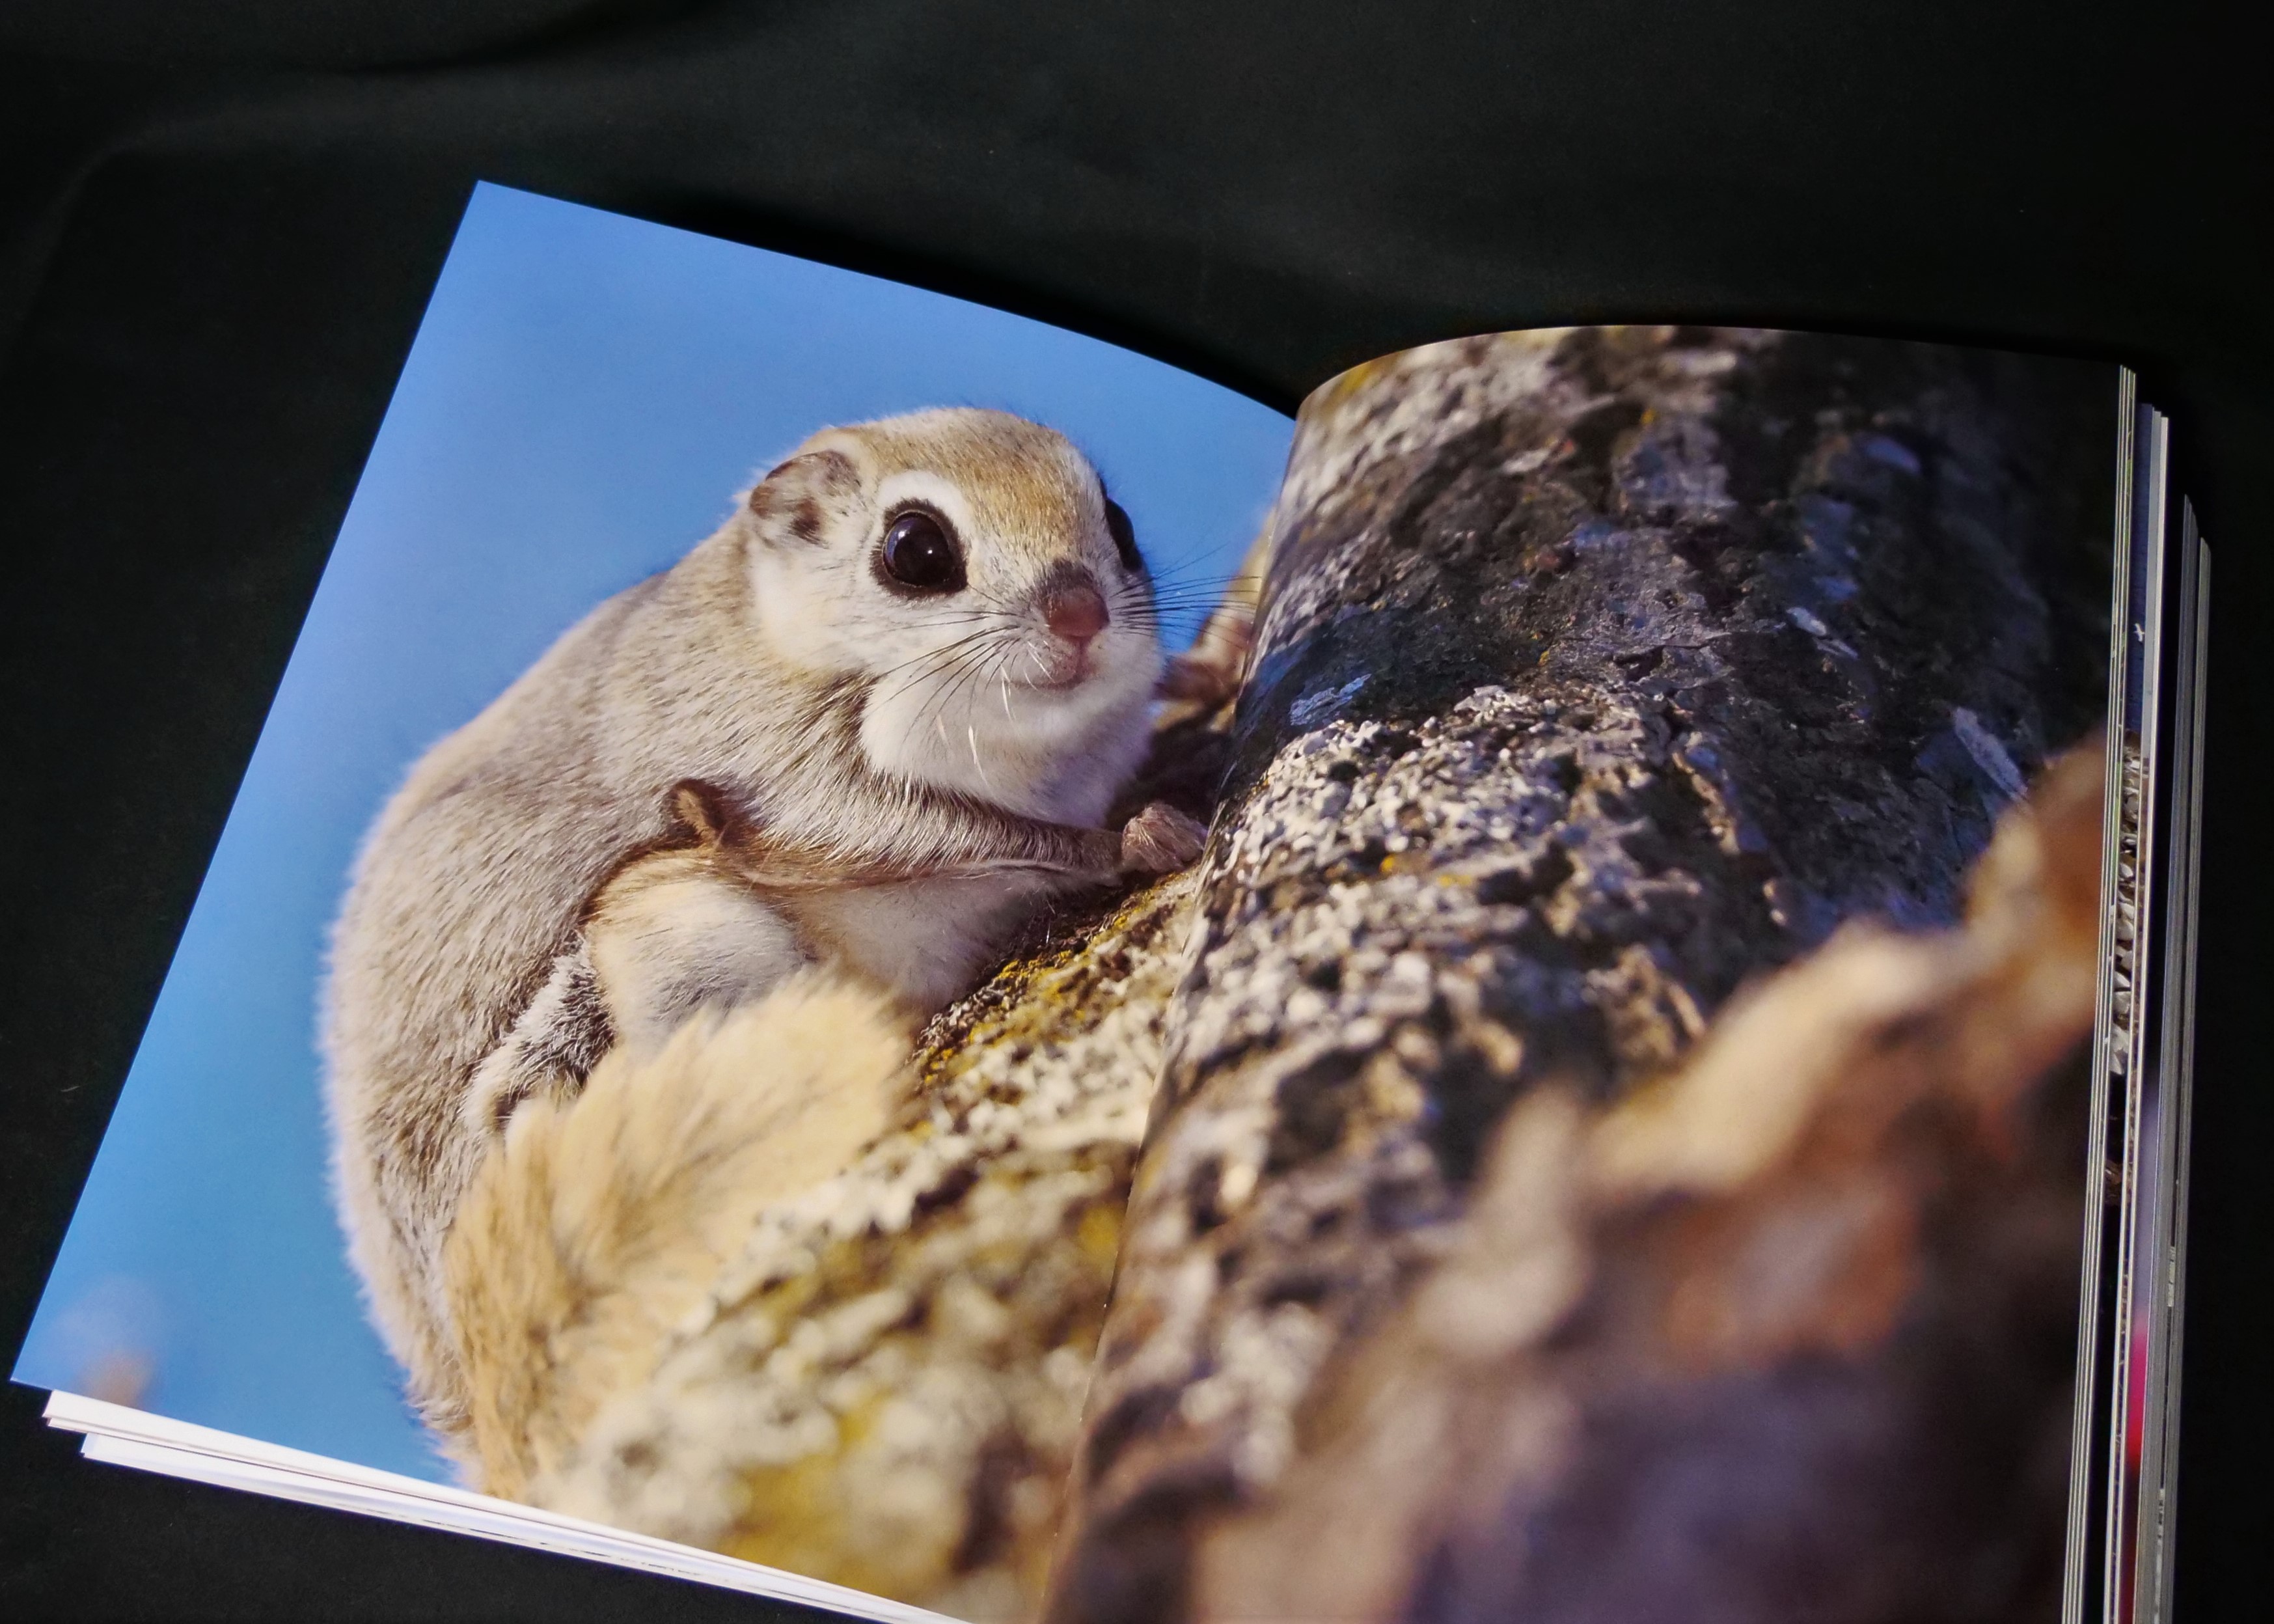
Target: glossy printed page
650,767
1622,1148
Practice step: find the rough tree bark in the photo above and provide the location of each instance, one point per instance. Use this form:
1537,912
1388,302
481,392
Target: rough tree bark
1787,1336
1597,674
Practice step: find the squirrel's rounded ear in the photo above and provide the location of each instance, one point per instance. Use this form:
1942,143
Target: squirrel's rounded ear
697,813
798,500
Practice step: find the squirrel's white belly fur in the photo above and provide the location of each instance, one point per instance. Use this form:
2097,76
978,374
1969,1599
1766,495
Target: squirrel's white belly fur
681,947
927,941
692,944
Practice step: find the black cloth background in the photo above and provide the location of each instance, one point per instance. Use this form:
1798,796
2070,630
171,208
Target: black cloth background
218,225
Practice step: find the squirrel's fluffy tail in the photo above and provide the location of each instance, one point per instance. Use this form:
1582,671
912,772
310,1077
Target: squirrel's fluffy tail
601,1221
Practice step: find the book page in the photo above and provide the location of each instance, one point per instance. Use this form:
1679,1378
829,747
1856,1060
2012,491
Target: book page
552,1095
1623,1152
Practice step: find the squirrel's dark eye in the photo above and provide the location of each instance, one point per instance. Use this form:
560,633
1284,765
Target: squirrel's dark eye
1124,536
919,554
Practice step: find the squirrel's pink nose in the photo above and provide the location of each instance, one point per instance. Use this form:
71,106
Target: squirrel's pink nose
1076,612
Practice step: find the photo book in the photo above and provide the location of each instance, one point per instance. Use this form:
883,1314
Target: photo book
890,957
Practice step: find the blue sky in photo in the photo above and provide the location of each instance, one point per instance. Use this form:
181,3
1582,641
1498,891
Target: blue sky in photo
585,395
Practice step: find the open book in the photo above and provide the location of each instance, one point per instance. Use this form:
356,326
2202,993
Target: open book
892,957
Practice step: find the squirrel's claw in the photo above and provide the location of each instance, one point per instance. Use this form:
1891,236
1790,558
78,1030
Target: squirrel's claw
1161,840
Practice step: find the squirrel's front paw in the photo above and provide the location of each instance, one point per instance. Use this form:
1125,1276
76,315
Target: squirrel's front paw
1160,840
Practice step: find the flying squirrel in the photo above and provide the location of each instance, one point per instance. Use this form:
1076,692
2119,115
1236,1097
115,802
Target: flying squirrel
872,723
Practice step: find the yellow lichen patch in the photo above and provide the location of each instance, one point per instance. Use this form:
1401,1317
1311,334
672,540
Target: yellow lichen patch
1100,1234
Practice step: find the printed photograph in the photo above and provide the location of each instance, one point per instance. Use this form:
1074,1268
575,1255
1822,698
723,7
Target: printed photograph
1621,1149
588,398
889,941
